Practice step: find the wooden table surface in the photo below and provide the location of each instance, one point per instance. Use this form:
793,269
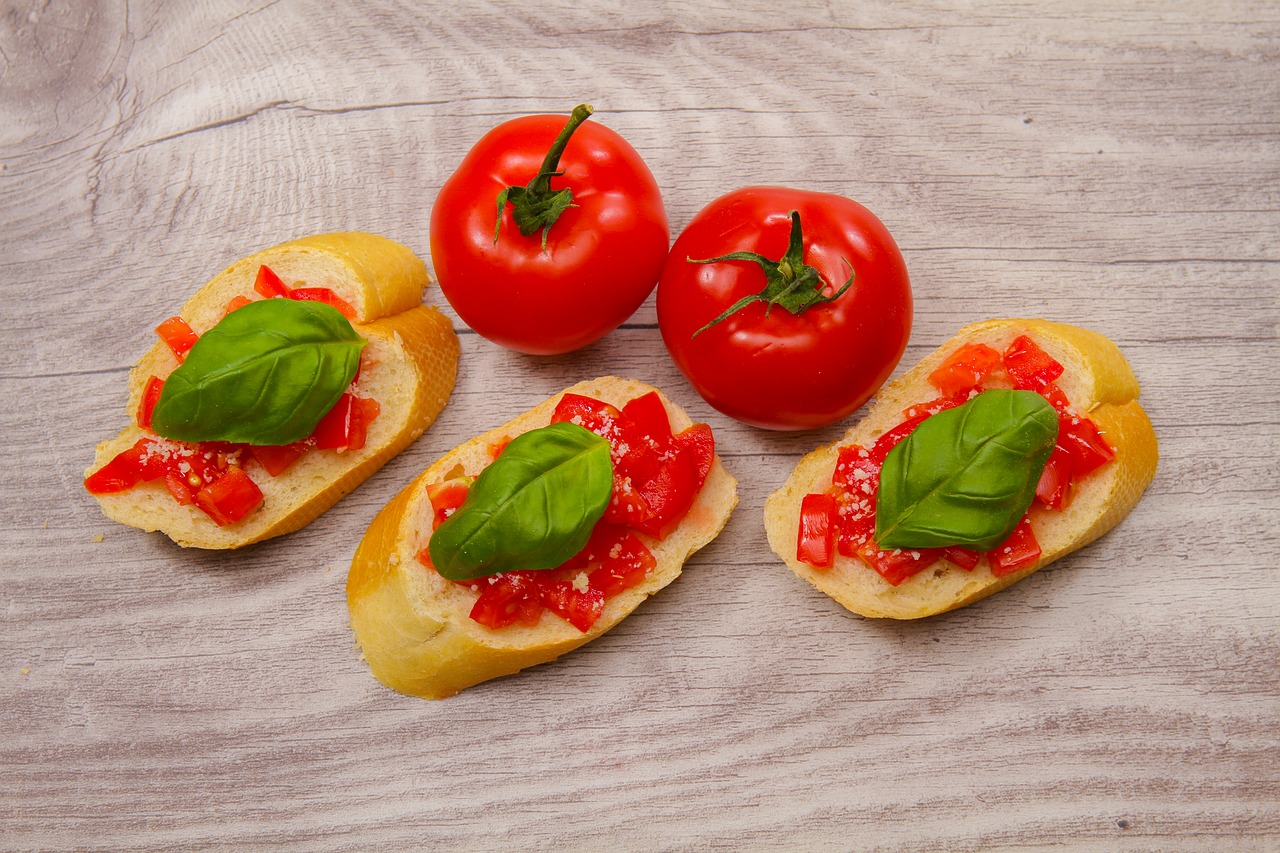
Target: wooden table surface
1116,166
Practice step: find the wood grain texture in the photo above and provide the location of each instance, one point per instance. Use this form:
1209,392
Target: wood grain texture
1115,166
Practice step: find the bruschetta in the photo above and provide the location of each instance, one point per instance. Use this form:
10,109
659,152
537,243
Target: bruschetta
1014,443
455,581
279,387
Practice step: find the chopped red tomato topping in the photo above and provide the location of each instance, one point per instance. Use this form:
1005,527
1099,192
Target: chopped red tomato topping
657,476
277,458
941,404
899,564
579,607
965,558
446,497
235,303
346,425
1054,488
1081,438
269,284
1056,397
855,480
150,396
817,530
508,598
325,295
178,335
496,447
230,497
623,560
966,368
1018,552
894,437
1030,367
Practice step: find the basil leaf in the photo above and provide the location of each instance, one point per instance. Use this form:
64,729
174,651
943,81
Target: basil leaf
266,374
967,475
533,508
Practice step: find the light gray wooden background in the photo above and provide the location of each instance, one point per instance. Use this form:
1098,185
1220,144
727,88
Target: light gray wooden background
1113,165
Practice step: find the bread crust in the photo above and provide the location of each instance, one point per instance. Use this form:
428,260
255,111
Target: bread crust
1099,383
413,626
416,352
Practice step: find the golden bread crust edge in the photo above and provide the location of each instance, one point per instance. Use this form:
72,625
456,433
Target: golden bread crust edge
1103,387
419,645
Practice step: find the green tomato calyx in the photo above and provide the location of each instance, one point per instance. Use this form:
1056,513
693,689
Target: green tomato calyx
790,282
535,205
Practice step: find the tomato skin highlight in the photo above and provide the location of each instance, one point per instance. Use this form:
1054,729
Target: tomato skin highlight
785,371
602,257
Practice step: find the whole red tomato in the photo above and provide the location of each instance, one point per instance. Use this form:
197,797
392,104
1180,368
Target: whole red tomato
789,251
550,234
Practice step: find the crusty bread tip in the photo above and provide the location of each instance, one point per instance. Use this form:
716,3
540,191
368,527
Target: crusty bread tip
414,626
413,349
1099,383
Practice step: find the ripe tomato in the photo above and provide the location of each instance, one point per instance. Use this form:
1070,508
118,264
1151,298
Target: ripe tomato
554,281
763,364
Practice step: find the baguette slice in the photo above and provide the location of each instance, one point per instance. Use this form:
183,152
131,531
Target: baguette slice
1099,384
414,626
415,355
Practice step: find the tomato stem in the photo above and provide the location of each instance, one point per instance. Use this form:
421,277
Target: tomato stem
535,205
790,282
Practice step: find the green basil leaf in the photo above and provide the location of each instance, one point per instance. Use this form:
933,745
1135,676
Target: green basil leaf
967,475
266,374
533,508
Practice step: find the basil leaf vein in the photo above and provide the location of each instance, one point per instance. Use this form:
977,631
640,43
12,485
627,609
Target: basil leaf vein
265,374
967,475
534,507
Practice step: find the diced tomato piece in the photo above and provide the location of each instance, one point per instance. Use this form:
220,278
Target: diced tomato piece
624,561
668,495
1054,488
325,295
855,469
277,458
1088,449
446,497
599,417
424,557
899,564
626,505
580,608
648,416
967,367
1030,367
150,396
700,443
965,558
893,437
235,304
178,335
496,447
346,425
509,598
855,524
1056,397
816,538
1018,552
230,497
122,473
178,486
269,284
941,404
